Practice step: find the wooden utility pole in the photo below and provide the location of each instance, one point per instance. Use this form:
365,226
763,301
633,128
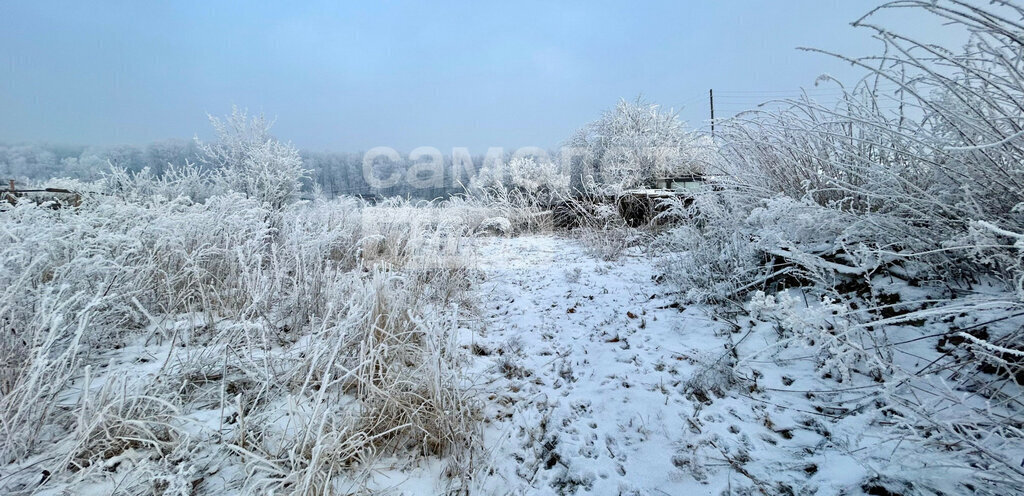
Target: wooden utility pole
711,99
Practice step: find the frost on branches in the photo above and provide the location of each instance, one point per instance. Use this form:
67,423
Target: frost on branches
532,181
631,146
247,159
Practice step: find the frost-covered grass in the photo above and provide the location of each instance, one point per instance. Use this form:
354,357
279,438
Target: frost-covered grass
178,347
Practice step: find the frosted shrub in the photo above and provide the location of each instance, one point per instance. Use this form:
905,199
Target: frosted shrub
539,180
914,173
911,184
630,146
829,327
605,235
711,269
918,182
520,191
714,258
247,159
533,182
189,181
945,403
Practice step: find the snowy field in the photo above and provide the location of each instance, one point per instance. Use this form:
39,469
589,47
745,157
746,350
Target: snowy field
813,298
337,347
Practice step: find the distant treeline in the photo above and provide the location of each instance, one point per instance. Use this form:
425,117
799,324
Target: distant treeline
335,173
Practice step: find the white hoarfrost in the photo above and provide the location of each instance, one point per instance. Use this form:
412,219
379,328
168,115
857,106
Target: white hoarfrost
496,225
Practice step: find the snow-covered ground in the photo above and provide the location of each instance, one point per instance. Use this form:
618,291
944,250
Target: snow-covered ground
596,382
584,360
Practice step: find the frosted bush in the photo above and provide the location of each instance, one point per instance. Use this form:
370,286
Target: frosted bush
540,180
715,257
711,268
910,184
630,146
521,191
247,159
523,182
915,177
185,181
496,225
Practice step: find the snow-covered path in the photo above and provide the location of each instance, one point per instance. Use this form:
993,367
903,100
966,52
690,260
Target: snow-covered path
584,361
595,383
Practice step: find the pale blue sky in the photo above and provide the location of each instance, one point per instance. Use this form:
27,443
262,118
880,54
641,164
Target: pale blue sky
347,77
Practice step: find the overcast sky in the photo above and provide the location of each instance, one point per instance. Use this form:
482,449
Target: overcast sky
347,77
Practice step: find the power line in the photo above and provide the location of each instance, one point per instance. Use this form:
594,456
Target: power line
792,96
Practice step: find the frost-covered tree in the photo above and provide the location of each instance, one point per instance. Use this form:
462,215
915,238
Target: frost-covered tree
247,159
631,146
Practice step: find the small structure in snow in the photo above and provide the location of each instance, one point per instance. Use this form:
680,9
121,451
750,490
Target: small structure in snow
690,183
54,197
639,207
